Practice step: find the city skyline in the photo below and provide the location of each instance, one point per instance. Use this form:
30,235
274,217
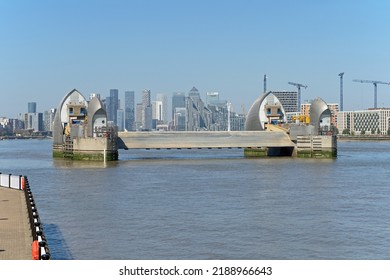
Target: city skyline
48,48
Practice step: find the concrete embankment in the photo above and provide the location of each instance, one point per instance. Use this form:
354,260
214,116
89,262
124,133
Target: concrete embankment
364,138
21,232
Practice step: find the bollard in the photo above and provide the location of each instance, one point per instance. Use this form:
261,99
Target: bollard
35,250
22,182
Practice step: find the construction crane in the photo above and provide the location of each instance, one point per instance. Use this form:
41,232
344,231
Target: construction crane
299,92
341,92
375,83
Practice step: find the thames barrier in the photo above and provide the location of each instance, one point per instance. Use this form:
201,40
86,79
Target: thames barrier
83,132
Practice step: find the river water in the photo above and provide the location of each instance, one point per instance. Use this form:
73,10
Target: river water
210,204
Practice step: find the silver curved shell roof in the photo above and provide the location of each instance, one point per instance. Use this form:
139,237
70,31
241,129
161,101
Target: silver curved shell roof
61,116
318,110
94,106
253,120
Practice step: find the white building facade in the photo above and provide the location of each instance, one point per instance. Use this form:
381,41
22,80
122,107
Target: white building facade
372,121
163,109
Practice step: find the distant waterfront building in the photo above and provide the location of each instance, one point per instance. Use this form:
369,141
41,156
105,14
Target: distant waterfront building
288,99
220,114
305,108
10,126
178,101
112,103
334,109
198,115
107,105
237,122
138,116
194,94
219,117
120,119
212,98
92,95
146,98
5,126
34,121
157,113
148,121
21,117
371,121
163,98
129,111
147,116
32,107
180,119
48,119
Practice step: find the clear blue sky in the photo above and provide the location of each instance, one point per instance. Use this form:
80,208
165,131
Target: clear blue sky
47,48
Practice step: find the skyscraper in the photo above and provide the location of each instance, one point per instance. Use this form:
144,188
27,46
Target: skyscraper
147,110
178,101
148,118
34,121
32,107
120,119
112,105
48,119
157,110
146,98
139,114
164,106
198,115
180,119
129,111
194,94
212,98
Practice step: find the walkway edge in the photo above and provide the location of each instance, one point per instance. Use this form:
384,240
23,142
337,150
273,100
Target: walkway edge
39,246
40,249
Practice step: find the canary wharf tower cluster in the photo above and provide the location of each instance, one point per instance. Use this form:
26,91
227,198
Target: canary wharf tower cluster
185,112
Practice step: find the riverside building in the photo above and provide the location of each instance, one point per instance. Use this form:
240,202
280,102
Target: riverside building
129,111
371,121
112,105
178,101
288,99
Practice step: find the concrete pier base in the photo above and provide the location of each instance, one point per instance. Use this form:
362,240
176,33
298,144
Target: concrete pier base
93,149
317,146
256,152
